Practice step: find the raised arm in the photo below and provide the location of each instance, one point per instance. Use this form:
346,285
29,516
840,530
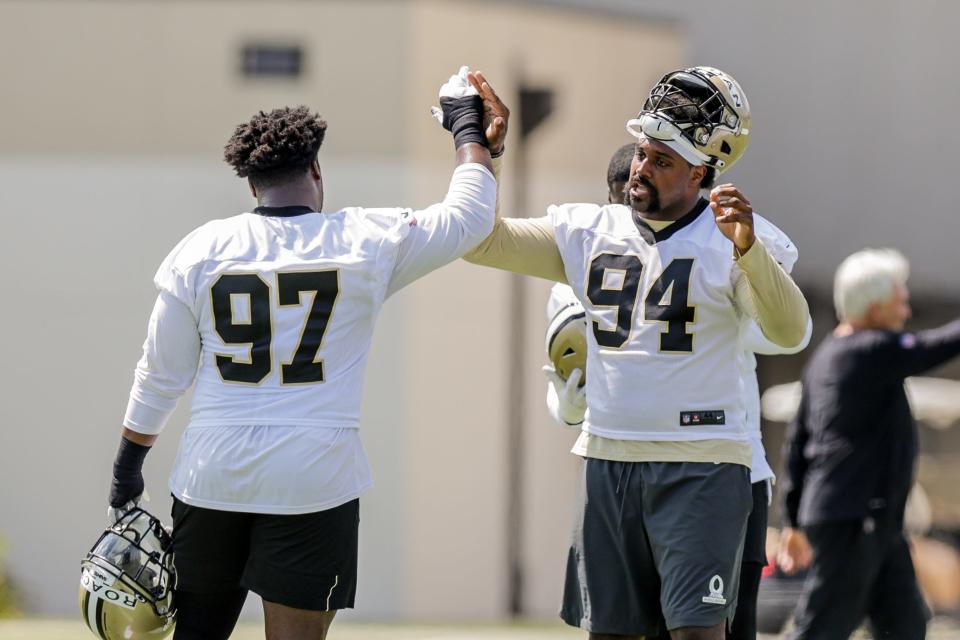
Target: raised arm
765,292
524,246
909,354
445,231
521,245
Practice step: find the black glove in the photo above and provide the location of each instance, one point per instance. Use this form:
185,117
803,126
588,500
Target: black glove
463,117
127,484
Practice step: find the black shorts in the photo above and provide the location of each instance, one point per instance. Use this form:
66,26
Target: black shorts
652,537
755,544
305,561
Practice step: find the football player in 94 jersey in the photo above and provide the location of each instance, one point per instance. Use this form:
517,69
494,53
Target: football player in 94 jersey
666,283
272,311
566,398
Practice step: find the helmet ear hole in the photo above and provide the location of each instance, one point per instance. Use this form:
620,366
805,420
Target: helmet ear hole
725,148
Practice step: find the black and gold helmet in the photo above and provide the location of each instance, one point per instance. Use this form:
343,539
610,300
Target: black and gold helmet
566,341
127,580
701,113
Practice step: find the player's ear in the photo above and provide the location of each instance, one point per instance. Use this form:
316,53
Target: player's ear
697,175
253,189
315,170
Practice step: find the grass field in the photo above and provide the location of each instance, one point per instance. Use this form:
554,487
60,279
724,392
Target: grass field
75,630
29,629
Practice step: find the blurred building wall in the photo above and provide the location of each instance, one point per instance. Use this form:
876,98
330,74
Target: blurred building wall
112,124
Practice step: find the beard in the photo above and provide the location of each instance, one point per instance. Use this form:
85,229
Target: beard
652,197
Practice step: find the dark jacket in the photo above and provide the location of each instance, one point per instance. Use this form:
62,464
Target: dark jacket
853,444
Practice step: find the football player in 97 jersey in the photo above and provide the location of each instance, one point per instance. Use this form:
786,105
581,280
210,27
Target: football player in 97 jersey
272,312
566,397
666,283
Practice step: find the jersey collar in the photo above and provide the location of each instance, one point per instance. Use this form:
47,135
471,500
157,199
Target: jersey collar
653,237
283,212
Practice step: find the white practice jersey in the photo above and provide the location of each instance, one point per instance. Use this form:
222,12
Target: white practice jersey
664,353
284,307
561,297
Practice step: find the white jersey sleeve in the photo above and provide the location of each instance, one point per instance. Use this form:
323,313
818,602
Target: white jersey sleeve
561,297
445,231
167,368
177,273
779,245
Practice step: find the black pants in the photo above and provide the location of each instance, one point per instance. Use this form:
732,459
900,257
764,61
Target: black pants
860,570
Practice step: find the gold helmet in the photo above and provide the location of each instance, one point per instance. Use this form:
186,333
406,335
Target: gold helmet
127,580
701,113
567,341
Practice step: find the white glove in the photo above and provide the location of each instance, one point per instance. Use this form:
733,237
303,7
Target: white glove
456,87
115,513
566,400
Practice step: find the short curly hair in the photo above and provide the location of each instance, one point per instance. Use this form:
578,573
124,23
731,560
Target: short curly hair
277,146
